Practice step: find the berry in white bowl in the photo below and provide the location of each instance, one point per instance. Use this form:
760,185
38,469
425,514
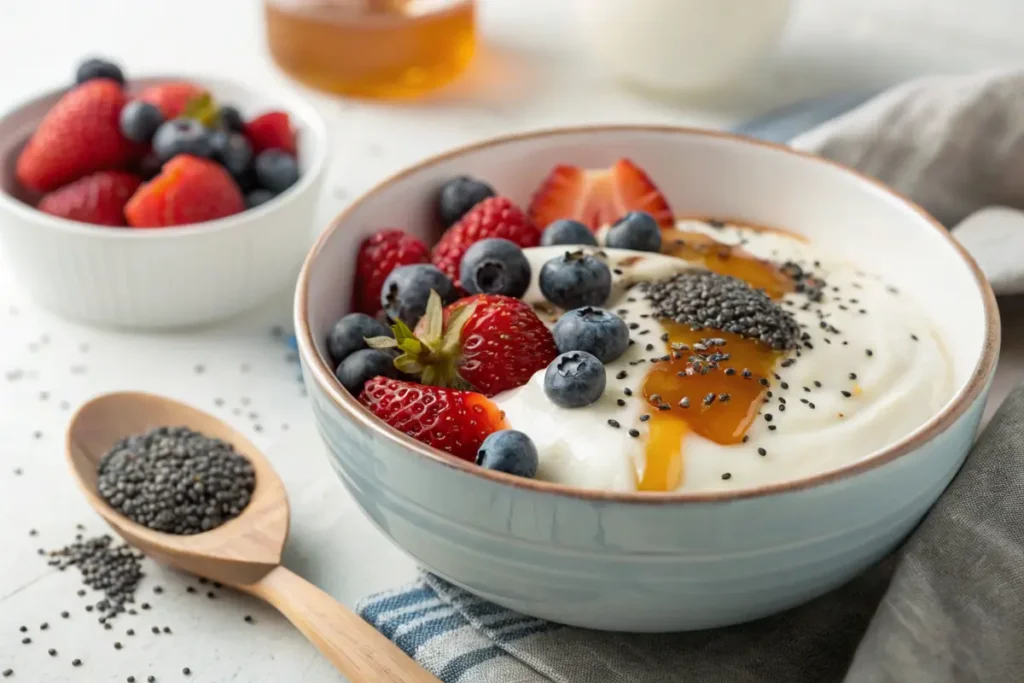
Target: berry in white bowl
157,202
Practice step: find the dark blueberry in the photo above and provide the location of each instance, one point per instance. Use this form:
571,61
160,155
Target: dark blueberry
139,120
495,266
509,451
566,231
247,180
362,366
98,68
258,197
406,290
350,333
231,150
231,119
636,230
594,330
574,379
458,196
276,170
575,280
182,136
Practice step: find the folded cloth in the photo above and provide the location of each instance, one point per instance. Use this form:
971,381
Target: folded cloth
948,606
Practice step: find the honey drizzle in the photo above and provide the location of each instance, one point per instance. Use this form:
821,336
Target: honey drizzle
735,386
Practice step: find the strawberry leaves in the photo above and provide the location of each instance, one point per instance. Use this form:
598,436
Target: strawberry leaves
431,352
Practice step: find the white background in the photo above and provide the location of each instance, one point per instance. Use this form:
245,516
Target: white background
530,74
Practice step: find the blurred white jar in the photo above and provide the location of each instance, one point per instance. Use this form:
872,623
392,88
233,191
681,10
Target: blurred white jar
677,45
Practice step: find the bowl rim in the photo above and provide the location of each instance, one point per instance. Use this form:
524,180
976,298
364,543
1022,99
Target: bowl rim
296,106
351,409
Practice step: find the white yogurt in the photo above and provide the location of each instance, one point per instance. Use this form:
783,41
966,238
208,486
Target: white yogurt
898,387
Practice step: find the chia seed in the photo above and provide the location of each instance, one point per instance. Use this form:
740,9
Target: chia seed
620,402
634,433
645,417
845,393
684,402
726,475
706,300
614,423
175,480
116,570
762,452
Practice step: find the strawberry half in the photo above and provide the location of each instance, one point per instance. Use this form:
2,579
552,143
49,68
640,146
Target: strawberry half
98,199
488,342
598,197
447,419
493,217
172,99
78,136
378,256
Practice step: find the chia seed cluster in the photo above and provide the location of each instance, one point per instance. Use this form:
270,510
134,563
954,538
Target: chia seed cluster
115,570
175,480
706,300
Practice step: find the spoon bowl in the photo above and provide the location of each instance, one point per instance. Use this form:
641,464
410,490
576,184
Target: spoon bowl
244,552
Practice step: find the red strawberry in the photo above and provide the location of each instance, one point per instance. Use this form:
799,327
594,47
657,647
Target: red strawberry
447,419
187,190
598,197
172,98
98,198
488,342
272,130
78,136
378,256
493,217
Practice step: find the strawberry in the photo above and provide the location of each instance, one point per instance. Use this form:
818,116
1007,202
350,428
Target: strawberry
272,130
598,197
488,342
78,136
447,419
378,256
98,198
172,98
187,190
493,217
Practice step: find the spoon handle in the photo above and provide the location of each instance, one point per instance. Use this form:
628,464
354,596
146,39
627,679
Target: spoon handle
357,649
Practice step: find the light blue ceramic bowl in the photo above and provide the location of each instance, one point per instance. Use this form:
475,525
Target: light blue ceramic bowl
658,562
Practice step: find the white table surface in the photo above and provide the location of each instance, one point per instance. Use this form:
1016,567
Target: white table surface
530,74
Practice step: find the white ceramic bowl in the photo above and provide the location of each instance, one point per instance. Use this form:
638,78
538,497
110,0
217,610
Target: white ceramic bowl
168,277
672,561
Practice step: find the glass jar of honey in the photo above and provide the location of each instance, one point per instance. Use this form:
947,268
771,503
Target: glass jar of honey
372,48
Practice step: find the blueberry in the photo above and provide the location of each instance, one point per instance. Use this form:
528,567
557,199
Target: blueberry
362,366
636,230
276,170
495,266
231,119
567,231
598,332
458,196
350,333
231,150
258,197
575,280
139,120
574,379
509,451
98,68
406,290
182,136
247,180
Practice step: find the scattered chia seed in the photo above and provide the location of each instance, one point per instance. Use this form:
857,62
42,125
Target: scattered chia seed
645,417
869,352
709,399
772,428
846,393
649,347
614,423
249,619
782,407
627,391
762,452
853,375
724,398
621,374
114,570
706,300
175,480
634,433
620,402
783,385
130,632
767,417
726,475
684,402
76,662
763,381
914,337
729,372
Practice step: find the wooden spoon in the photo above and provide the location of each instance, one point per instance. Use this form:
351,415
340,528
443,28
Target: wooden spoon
245,552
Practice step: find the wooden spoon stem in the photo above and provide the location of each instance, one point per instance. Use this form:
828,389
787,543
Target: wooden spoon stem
357,649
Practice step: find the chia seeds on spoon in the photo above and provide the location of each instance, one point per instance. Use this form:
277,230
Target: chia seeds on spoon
175,480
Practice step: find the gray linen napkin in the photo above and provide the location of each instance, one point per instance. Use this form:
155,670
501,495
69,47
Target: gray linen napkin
949,605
